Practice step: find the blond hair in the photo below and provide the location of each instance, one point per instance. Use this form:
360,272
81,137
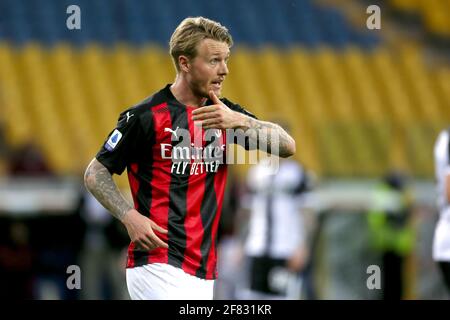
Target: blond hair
190,32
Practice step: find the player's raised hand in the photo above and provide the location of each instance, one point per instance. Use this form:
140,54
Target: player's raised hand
214,98
141,231
217,115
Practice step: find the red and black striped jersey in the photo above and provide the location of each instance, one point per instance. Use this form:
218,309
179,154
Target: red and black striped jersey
177,176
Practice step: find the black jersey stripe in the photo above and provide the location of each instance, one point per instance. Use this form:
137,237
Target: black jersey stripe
177,194
195,193
134,186
143,174
219,186
208,211
135,257
139,177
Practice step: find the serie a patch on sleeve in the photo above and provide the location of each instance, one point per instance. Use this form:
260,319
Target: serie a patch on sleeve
113,140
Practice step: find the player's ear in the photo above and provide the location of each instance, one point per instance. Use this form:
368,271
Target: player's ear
184,63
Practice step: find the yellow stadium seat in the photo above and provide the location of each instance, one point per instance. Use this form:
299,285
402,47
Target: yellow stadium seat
244,77
436,16
352,113
391,86
155,68
12,99
411,6
361,80
416,79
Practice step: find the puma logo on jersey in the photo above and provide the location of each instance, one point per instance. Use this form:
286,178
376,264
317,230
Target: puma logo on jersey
174,132
129,115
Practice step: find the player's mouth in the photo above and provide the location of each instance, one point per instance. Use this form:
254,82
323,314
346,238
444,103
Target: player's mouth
217,84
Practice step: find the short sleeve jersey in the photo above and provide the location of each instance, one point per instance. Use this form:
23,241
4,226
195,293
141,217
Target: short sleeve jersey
177,176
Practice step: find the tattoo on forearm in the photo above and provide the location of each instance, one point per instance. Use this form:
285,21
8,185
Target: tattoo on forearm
264,138
100,183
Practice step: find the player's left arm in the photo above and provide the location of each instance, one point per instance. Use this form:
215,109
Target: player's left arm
260,133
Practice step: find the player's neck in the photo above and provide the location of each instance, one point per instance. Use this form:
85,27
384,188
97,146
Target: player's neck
184,94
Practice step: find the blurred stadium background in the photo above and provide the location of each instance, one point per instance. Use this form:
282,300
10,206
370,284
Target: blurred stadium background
360,103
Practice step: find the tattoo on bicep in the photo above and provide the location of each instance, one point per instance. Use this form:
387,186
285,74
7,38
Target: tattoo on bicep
104,189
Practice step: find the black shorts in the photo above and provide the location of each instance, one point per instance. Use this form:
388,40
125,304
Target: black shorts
445,271
262,273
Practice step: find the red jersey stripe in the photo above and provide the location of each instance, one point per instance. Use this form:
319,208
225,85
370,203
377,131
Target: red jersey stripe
161,177
130,260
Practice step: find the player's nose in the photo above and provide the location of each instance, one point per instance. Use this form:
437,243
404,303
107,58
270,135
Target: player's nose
223,70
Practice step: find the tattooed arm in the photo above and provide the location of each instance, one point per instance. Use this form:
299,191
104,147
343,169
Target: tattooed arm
261,133
101,185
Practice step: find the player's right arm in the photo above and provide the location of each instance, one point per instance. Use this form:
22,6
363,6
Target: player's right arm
98,180
100,183
122,147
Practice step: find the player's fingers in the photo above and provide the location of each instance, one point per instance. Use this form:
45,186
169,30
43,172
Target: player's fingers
153,245
205,109
203,116
144,244
207,122
213,97
147,242
158,228
157,241
210,123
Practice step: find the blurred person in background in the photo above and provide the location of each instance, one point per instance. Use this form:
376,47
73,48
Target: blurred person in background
277,242
16,260
103,254
391,232
19,257
37,233
229,250
27,160
441,241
